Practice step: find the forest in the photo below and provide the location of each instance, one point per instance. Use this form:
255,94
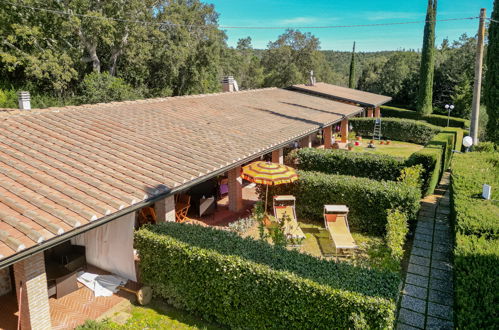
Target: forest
72,53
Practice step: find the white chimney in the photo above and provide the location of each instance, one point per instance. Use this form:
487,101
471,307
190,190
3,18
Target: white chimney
229,84
24,101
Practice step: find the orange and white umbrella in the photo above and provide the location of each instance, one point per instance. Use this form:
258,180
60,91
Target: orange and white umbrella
269,174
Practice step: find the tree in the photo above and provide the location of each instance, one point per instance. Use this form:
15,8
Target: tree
425,93
491,86
351,80
103,87
290,58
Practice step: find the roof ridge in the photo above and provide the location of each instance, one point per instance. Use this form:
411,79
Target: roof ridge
7,112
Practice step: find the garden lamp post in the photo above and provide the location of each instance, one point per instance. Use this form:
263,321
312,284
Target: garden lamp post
449,109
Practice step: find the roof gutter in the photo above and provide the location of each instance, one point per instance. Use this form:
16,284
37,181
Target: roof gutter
135,207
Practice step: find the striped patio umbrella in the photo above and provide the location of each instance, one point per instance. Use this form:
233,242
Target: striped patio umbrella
269,174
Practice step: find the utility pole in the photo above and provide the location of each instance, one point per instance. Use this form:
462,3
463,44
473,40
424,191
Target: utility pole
475,110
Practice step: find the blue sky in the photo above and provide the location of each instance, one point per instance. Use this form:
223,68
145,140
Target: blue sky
347,12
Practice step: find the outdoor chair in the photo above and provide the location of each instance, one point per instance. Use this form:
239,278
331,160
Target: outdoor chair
336,222
284,205
182,204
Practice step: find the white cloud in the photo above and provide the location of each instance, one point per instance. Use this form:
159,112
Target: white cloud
384,15
298,20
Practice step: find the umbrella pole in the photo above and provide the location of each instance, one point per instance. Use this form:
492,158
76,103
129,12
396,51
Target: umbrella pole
266,196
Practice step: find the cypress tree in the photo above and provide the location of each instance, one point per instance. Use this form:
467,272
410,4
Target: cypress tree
491,86
426,72
351,81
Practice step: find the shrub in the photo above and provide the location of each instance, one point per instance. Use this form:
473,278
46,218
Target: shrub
458,136
486,147
431,160
368,200
412,176
476,253
445,142
437,120
250,284
397,129
474,215
476,265
373,166
102,87
396,232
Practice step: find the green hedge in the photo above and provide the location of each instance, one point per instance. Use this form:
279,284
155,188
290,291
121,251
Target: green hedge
476,268
373,166
243,283
445,142
458,136
431,160
476,253
437,120
398,129
368,200
476,216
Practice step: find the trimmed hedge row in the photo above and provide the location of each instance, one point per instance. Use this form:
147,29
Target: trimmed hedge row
243,283
431,160
476,253
475,216
435,158
373,166
437,120
368,200
406,130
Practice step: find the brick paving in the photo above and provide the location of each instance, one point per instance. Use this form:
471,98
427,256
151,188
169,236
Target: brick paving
427,297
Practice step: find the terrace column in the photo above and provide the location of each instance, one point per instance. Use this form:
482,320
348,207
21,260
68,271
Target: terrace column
31,290
377,112
370,112
165,209
235,190
306,142
328,133
344,130
278,156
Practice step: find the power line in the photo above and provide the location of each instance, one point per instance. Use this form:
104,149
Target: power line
492,20
235,27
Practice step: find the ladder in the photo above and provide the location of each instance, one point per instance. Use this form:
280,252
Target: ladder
377,129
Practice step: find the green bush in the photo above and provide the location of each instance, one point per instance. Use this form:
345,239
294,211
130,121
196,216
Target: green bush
412,176
437,120
431,160
373,166
486,147
250,284
102,87
398,129
445,142
476,252
474,215
368,200
458,136
396,232
476,267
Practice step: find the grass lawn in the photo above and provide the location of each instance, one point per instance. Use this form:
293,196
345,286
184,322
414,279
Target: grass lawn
395,148
372,251
156,315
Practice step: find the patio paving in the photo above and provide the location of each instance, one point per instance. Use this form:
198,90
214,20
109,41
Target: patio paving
427,299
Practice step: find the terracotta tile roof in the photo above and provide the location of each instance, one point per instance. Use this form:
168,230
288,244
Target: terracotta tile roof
63,168
345,94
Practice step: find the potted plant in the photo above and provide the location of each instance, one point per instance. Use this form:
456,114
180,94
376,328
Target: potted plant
388,141
350,146
381,142
359,138
336,145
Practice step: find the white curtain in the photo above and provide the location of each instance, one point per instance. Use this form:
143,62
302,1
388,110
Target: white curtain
110,246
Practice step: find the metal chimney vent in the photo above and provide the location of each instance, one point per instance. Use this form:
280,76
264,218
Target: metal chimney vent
24,101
